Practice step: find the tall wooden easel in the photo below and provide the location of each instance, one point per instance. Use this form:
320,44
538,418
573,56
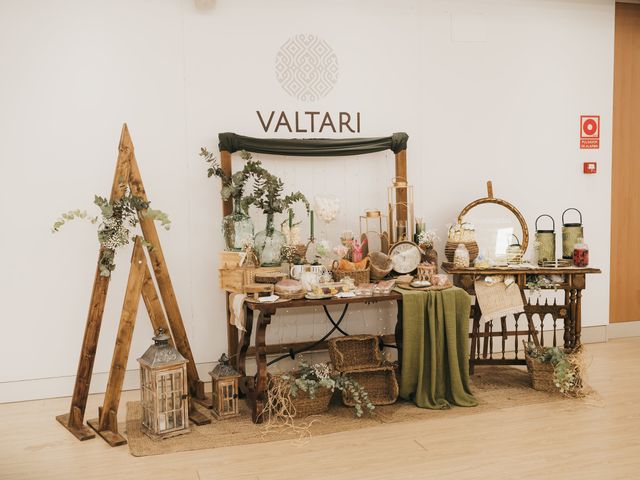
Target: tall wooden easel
140,283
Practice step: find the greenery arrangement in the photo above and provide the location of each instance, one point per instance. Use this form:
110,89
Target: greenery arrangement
567,368
116,220
537,283
233,185
309,378
267,188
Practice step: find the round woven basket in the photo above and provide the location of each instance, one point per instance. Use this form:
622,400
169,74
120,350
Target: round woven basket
381,265
450,249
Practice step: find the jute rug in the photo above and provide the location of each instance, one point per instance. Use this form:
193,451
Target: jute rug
495,388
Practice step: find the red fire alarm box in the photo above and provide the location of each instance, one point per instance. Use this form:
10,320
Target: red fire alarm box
589,167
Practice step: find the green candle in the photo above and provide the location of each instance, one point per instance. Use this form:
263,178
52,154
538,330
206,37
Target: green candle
290,219
311,214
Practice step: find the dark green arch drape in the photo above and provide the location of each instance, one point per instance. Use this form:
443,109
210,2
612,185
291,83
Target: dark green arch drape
312,147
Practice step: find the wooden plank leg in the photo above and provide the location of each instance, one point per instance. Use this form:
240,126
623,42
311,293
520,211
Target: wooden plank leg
161,271
107,423
153,305
74,420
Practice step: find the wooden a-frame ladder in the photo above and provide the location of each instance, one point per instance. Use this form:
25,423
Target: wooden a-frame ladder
140,283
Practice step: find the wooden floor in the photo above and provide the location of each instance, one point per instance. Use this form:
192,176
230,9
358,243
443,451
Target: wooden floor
599,439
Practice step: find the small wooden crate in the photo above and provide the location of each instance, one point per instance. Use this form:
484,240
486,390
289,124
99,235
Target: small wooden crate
355,352
235,279
231,259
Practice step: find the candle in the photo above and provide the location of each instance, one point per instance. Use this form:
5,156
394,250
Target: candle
290,219
311,214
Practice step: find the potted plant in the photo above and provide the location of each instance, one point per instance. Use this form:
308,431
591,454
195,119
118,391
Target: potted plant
308,390
116,219
237,227
267,196
554,369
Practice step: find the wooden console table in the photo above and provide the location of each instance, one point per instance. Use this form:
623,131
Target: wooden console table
574,282
255,387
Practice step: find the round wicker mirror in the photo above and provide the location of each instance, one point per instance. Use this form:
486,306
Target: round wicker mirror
496,223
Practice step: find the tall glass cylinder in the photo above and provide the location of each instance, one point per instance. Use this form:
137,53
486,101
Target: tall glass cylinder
401,219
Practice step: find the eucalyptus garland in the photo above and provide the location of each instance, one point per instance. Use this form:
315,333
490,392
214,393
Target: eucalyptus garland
116,218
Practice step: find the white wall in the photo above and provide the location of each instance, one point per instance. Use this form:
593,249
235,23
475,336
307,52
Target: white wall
486,90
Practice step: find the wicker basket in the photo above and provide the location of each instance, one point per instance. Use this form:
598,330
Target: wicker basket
303,405
355,352
450,249
381,265
358,276
380,384
541,374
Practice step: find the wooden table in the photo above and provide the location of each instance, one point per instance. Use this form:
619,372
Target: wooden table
255,387
573,283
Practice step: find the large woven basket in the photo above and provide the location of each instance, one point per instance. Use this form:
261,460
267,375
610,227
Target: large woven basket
450,249
541,374
305,405
355,352
380,383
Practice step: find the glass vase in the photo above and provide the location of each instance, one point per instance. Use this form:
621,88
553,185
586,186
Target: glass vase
236,228
268,244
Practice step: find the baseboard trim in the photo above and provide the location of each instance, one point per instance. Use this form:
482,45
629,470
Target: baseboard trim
42,388
623,329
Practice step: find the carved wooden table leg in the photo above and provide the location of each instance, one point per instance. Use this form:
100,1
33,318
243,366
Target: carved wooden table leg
573,313
567,318
240,359
260,389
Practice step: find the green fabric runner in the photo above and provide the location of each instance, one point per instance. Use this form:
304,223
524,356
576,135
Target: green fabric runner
435,355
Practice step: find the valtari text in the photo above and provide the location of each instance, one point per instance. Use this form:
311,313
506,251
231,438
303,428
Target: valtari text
309,122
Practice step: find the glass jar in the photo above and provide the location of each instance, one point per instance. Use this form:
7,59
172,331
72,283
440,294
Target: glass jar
580,253
236,228
268,244
461,257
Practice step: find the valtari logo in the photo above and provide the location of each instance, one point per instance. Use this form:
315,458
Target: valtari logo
311,122
306,67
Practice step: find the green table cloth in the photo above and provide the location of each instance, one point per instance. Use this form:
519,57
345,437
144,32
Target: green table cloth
435,348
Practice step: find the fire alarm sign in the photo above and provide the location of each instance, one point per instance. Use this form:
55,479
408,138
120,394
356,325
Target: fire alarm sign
589,131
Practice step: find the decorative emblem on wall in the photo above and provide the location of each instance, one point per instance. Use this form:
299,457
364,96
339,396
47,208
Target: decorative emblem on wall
306,67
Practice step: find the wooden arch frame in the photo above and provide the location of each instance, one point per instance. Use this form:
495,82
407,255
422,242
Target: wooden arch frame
227,209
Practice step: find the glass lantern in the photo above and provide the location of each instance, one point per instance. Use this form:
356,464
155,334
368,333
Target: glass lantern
163,390
371,227
401,219
224,383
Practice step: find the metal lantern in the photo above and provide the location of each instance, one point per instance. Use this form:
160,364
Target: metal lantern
163,389
371,228
514,251
546,241
224,383
401,220
570,234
